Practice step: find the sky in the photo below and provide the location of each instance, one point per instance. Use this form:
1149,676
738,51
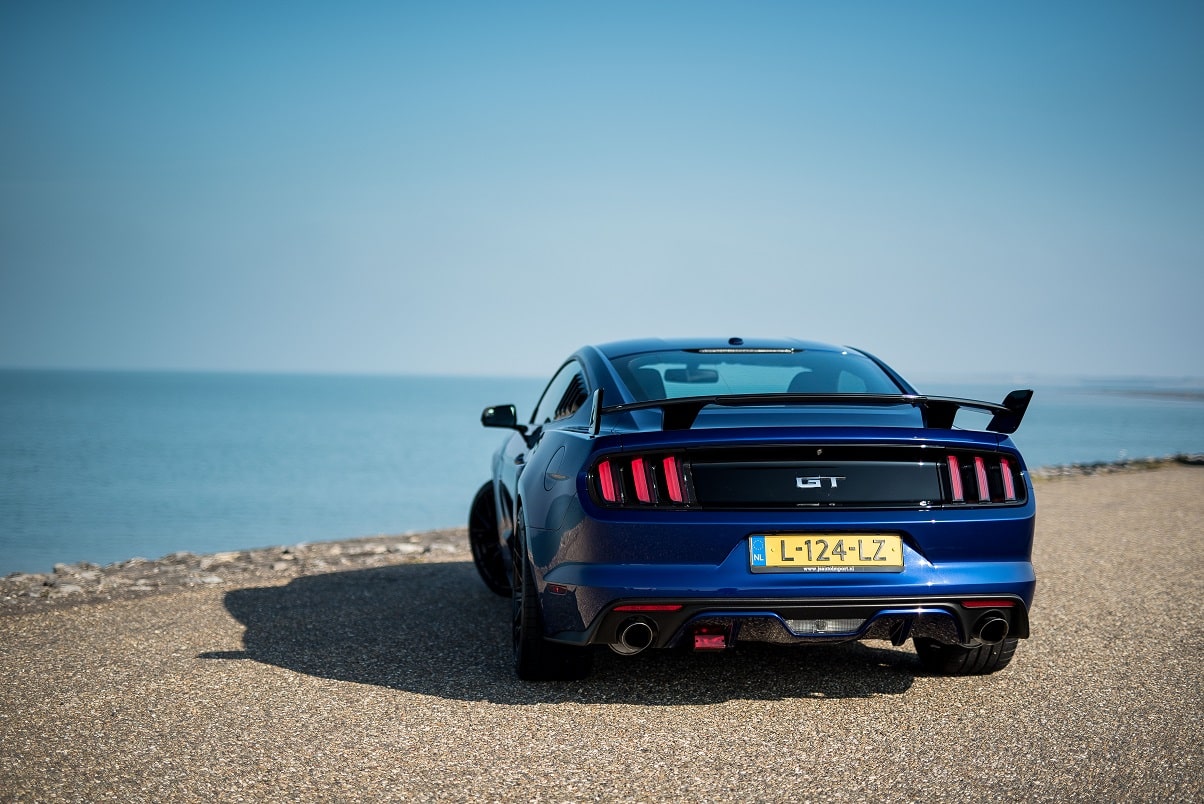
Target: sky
480,188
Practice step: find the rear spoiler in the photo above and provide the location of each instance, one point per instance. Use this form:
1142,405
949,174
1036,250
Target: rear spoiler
938,411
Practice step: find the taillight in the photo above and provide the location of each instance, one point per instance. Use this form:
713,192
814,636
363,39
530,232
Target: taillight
642,479
639,474
606,483
980,474
955,480
988,479
1009,484
673,479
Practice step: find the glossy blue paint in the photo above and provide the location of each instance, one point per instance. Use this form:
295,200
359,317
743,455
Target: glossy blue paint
599,556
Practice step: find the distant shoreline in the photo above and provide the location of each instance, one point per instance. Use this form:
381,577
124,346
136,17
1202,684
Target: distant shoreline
1112,467
1153,393
84,582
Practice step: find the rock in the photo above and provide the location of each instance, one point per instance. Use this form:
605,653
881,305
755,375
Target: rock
73,584
218,558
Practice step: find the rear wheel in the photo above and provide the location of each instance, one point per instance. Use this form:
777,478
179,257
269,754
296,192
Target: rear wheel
483,539
956,660
535,658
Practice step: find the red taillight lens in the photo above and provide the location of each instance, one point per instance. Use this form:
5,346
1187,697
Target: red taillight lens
1009,485
639,474
645,479
673,479
955,480
988,604
980,473
606,482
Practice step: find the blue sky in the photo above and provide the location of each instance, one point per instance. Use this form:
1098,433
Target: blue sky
479,188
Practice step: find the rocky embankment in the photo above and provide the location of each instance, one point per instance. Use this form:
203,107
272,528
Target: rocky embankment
1112,467
70,584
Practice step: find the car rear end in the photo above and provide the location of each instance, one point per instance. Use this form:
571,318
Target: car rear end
708,536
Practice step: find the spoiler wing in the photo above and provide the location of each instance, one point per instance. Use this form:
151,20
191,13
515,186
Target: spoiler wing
938,411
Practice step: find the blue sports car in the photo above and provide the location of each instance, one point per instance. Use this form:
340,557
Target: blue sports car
702,493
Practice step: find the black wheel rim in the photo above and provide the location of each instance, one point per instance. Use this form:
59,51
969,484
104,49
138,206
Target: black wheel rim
482,539
517,591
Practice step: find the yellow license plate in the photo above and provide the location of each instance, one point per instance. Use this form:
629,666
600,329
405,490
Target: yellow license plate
826,552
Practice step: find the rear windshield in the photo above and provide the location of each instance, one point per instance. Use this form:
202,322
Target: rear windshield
703,372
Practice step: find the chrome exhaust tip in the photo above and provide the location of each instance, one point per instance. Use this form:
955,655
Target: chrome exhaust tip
991,629
634,636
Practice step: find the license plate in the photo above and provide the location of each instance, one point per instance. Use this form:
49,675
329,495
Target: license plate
826,552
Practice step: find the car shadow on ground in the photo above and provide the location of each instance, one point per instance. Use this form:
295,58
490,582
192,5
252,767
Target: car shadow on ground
434,629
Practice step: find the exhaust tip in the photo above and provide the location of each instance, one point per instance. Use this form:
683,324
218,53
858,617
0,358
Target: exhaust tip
991,629
634,635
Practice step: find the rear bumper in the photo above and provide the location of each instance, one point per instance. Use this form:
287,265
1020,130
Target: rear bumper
700,561
951,619
579,600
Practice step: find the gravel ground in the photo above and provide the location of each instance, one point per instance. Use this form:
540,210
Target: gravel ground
387,677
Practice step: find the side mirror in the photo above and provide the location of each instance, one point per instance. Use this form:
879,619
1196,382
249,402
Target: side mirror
502,416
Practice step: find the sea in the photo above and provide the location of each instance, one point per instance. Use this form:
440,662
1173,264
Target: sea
105,466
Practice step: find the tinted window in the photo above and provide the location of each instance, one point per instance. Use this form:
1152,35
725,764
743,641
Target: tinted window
563,397
669,375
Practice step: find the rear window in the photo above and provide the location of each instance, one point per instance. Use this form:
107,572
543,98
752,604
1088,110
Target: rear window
709,372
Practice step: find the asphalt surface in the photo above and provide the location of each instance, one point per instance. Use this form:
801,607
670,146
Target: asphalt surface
394,683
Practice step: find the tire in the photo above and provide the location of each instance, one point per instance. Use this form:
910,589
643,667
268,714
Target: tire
483,539
956,660
535,658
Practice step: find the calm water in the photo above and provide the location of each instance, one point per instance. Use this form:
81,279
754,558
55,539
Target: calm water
105,466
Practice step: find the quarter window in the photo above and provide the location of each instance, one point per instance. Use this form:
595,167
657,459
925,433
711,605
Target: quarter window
563,397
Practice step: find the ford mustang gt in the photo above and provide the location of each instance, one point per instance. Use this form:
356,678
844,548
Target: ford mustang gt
702,493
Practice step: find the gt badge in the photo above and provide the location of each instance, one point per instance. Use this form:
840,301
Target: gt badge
816,482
